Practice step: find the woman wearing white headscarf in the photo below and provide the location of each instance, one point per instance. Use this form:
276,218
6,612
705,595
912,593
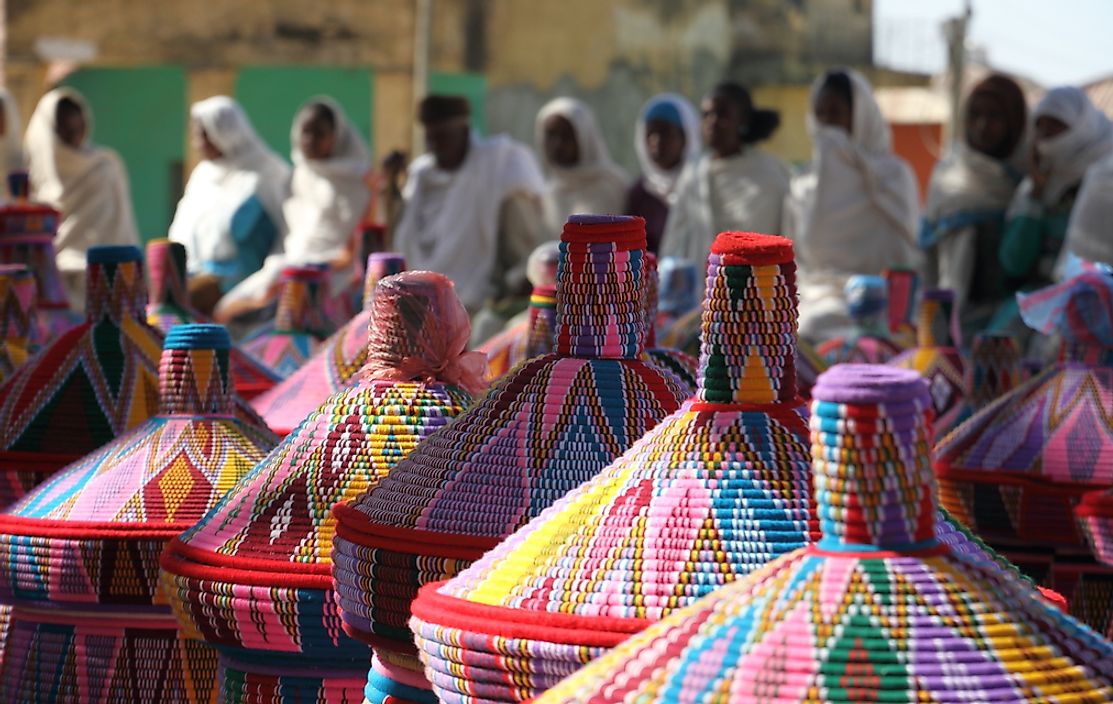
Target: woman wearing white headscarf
855,210
230,217
971,187
86,182
327,200
581,176
665,138
1071,135
11,134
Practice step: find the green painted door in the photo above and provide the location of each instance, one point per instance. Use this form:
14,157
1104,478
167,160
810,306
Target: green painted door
271,95
470,85
141,113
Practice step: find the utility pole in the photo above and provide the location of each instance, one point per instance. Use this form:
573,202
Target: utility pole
423,21
954,31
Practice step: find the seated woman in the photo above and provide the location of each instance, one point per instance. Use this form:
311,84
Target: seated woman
970,190
85,182
734,186
230,217
1071,135
580,176
665,138
327,200
855,210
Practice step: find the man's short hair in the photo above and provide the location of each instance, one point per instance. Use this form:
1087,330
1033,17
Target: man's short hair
441,108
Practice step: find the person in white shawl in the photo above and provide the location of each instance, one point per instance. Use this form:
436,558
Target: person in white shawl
11,134
581,176
734,186
472,211
855,210
970,190
85,182
1090,230
666,137
327,200
230,217
1071,135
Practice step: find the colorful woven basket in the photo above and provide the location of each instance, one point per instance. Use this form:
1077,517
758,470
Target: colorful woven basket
17,317
867,302
996,370
548,426
903,286
81,551
89,385
877,611
333,367
1015,470
712,493
938,359
168,305
27,237
530,334
716,490
680,364
253,577
300,324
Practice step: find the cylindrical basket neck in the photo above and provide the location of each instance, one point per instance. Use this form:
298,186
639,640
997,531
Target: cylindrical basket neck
166,266
938,325
748,339
871,450
115,287
17,305
301,300
193,373
542,321
379,266
600,307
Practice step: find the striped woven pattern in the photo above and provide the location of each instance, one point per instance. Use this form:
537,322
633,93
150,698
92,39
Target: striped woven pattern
17,317
168,305
715,491
548,426
904,292
300,323
91,384
27,237
867,302
334,365
877,610
88,540
529,338
253,576
938,359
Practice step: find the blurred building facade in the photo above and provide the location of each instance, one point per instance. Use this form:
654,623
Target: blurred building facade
141,64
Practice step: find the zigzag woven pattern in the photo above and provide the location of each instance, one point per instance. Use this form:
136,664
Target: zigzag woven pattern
252,577
867,302
300,323
937,358
27,237
876,611
89,539
530,338
549,425
715,491
17,317
89,385
333,367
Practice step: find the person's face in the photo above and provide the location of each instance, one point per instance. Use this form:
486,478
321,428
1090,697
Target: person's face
665,143
987,130
447,141
71,128
203,144
1049,127
561,147
318,136
722,123
832,110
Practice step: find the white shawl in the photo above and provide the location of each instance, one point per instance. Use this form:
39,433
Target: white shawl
327,200
11,150
854,211
1088,140
451,219
217,188
595,184
88,185
662,182
1090,232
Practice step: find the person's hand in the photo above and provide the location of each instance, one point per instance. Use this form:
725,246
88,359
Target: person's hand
1038,173
394,164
